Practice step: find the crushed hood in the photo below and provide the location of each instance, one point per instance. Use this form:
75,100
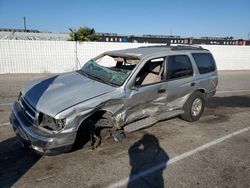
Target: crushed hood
54,94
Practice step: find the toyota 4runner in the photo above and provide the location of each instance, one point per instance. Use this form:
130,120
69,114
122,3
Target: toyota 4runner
120,91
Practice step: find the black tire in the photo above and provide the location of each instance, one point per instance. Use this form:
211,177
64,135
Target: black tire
188,114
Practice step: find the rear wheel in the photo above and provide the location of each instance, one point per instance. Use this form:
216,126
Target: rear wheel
194,107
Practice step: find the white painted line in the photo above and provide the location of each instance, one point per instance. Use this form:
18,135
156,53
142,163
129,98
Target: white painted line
6,104
232,91
124,181
2,124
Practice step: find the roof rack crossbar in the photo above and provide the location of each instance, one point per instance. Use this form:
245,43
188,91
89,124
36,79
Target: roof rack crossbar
153,46
187,47
177,47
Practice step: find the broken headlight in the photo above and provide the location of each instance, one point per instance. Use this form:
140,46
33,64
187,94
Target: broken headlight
51,123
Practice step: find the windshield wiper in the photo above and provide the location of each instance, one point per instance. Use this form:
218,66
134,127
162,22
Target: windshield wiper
80,71
103,80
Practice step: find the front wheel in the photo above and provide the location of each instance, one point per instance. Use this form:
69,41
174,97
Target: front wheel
194,107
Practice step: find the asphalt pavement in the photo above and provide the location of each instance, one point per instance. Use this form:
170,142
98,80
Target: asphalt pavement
212,152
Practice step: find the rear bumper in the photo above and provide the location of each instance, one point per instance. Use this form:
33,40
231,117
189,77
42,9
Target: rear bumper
32,137
210,94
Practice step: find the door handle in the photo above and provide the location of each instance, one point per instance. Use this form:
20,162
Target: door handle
161,90
192,84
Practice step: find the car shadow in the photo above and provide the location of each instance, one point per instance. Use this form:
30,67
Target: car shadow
148,161
229,101
15,161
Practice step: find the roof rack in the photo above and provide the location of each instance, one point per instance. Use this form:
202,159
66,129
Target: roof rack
176,47
153,46
187,47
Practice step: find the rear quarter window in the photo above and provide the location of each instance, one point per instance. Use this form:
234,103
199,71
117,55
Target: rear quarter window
205,62
179,66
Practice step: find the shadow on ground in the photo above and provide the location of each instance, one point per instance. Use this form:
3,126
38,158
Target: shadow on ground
148,161
230,101
219,109
15,161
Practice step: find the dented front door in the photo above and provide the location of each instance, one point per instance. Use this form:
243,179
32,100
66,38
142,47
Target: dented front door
145,101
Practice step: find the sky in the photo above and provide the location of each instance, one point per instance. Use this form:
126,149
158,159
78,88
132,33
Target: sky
132,17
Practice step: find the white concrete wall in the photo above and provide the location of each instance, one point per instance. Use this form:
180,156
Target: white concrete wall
18,56
230,57
22,56
36,56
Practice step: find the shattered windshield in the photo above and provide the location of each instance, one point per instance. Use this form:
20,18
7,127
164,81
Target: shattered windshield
109,70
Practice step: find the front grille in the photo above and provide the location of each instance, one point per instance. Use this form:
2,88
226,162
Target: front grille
29,112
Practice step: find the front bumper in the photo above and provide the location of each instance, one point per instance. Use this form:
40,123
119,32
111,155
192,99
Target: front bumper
32,137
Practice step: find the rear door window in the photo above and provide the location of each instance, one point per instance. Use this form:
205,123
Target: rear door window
205,62
179,66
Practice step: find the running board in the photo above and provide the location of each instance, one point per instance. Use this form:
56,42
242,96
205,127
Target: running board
147,122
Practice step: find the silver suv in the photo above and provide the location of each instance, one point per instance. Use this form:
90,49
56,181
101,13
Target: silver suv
119,92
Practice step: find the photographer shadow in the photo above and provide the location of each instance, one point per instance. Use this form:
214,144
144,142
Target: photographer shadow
148,161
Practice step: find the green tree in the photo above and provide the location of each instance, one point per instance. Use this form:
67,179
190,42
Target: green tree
83,34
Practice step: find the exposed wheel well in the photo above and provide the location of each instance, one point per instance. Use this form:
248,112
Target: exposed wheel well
202,91
100,114
100,118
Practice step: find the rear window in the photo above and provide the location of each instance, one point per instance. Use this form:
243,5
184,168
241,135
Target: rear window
205,62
